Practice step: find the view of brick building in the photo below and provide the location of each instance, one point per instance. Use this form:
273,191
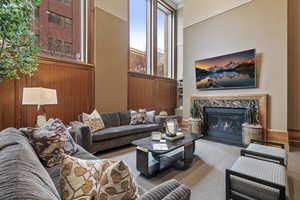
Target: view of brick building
138,61
58,29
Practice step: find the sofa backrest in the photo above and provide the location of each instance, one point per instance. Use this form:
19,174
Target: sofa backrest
125,117
22,176
111,119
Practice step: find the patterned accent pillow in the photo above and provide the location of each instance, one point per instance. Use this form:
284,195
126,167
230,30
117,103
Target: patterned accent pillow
93,121
138,117
82,179
150,116
57,126
51,141
48,145
117,183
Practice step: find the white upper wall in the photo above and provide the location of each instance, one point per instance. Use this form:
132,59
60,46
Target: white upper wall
199,10
118,8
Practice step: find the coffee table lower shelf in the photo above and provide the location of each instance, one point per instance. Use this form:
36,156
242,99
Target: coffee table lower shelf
181,160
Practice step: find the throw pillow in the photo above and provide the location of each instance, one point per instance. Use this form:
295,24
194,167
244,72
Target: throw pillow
48,145
138,117
57,126
82,179
51,141
150,116
93,121
117,183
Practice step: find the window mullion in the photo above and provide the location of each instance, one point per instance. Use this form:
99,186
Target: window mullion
154,37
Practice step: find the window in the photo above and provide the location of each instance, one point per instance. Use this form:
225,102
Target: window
164,42
68,23
62,32
151,38
54,18
68,2
138,36
68,47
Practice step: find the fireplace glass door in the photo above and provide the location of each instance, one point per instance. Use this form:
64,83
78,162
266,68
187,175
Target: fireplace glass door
224,124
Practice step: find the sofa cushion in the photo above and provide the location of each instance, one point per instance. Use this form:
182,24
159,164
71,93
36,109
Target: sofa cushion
120,131
125,118
22,174
111,119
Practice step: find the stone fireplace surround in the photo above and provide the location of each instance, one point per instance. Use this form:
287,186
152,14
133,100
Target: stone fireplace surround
240,101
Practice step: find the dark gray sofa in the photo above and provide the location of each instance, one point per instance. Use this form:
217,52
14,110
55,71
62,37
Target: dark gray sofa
22,175
117,132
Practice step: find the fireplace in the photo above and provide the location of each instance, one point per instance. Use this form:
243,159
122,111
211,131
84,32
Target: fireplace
224,124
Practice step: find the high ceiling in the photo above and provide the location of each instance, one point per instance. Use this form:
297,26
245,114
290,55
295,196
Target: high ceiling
179,3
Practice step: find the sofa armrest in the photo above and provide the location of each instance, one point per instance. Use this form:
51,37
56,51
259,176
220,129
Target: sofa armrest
262,156
268,143
82,135
170,190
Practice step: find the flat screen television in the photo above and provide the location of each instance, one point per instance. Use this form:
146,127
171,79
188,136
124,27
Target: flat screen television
236,70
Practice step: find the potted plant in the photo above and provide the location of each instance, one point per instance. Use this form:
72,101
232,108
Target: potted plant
18,49
195,120
251,128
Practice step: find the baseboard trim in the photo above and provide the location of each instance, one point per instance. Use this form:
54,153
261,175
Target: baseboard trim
294,137
279,136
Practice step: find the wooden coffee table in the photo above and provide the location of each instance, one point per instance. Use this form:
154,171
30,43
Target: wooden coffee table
165,159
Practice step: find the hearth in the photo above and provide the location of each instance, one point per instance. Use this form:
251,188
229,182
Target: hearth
224,124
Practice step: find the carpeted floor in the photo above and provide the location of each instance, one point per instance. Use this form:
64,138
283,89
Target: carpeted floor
206,176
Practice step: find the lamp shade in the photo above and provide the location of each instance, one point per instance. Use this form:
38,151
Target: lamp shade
39,96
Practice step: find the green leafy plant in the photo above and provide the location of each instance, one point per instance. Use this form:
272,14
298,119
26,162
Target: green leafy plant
251,114
18,50
195,111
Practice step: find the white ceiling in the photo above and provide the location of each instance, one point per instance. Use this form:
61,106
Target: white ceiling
179,3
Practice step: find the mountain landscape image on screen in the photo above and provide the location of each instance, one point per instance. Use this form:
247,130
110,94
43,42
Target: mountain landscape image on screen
230,71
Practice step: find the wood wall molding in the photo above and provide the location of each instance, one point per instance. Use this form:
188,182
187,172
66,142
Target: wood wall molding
279,136
73,81
294,137
151,93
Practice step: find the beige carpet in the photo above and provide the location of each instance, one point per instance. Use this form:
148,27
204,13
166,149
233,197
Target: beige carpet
206,176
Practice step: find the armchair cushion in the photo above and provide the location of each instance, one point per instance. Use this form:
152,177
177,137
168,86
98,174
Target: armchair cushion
273,151
170,190
262,170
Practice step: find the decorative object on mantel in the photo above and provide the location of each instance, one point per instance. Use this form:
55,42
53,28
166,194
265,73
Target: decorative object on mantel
195,120
39,96
251,129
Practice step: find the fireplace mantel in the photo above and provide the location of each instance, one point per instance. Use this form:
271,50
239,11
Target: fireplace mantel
238,101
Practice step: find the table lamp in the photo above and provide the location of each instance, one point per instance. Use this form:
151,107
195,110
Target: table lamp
39,96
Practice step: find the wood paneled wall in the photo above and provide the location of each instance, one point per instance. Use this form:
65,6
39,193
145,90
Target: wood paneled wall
73,81
151,93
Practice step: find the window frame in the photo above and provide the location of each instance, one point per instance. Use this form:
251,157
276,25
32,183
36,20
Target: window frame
89,38
152,24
